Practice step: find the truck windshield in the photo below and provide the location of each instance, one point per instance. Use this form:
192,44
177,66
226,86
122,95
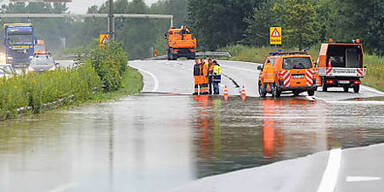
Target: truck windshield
40,47
297,63
20,39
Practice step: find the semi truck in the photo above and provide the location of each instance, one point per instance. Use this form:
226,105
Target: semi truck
180,43
19,43
341,64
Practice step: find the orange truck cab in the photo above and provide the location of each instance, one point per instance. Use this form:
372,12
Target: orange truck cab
341,65
181,43
294,72
40,48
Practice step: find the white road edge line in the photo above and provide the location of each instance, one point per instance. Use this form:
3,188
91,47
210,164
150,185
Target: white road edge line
361,178
64,187
372,89
331,173
155,79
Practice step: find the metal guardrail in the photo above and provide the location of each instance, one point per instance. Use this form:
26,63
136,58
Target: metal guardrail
214,54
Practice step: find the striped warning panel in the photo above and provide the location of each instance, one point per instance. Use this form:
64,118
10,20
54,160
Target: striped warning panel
286,77
309,77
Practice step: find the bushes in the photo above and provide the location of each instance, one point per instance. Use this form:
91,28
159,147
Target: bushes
109,63
104,68
33,90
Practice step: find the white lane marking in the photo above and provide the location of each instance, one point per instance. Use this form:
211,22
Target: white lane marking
329,180
155,79
64,187
361,178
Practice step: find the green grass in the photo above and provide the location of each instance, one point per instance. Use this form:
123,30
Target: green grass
375,64
103,76
375,72
131,83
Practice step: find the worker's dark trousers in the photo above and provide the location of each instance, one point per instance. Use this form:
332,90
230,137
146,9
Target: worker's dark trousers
210,84
216,88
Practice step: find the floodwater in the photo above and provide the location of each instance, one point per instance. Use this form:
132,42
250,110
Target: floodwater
159,142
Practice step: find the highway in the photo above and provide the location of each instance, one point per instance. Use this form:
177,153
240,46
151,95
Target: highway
165,139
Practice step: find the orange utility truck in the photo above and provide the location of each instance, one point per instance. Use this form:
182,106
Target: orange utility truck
181,43
40,48
341,65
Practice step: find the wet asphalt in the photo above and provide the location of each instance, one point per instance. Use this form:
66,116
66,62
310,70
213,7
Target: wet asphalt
165,137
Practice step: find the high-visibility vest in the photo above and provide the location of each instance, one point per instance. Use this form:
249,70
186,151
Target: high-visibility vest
217,73
269,73
205,69
197,70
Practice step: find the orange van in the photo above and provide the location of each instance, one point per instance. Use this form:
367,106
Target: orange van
295,73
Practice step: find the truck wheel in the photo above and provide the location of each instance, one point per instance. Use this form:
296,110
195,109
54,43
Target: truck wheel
311,92
346,89
324,85
356,88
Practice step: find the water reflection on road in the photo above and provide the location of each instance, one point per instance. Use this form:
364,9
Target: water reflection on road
157,142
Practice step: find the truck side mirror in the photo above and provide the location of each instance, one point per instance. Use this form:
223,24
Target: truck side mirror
259,67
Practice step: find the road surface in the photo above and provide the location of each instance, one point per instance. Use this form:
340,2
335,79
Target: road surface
165,138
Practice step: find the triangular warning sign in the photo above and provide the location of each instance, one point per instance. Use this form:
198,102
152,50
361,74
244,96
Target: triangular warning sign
105,39
275,33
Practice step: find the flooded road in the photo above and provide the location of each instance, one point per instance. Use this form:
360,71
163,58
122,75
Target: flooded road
156,142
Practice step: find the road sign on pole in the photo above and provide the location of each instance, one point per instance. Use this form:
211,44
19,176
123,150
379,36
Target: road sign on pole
275,36
103,40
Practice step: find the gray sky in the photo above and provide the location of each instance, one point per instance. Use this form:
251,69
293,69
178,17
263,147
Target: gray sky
81,6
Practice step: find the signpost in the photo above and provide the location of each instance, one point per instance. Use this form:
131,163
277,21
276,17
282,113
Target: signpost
103,40
275,36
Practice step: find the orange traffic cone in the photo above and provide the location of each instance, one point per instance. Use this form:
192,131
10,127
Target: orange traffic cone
225,93
243,95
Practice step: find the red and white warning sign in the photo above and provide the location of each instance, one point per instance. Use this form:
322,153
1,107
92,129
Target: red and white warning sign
275,35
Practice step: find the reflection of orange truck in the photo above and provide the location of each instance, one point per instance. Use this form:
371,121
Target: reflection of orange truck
181,43
40,48
341,65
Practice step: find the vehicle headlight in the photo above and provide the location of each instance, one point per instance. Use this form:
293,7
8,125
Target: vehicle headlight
30,69
10,58
52,68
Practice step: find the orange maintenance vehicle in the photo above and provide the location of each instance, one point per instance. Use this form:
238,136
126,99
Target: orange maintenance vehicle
40,48
294,72
341,65
181,43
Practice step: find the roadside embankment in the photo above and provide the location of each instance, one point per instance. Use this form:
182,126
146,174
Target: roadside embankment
375,64
103,76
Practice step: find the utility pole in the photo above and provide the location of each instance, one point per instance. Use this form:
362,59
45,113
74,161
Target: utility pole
111,21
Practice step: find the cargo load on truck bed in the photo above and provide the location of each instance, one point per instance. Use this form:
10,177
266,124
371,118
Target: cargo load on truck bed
341,65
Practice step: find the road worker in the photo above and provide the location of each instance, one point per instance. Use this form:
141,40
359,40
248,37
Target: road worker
216,77
197,74
204,86
269,76
210,75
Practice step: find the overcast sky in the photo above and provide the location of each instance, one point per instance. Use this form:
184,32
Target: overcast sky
81,6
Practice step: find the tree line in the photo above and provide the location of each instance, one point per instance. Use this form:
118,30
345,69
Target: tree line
216,23
305,23
138,36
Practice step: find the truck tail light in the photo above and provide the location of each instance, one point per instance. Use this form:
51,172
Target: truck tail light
330,81
356,82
